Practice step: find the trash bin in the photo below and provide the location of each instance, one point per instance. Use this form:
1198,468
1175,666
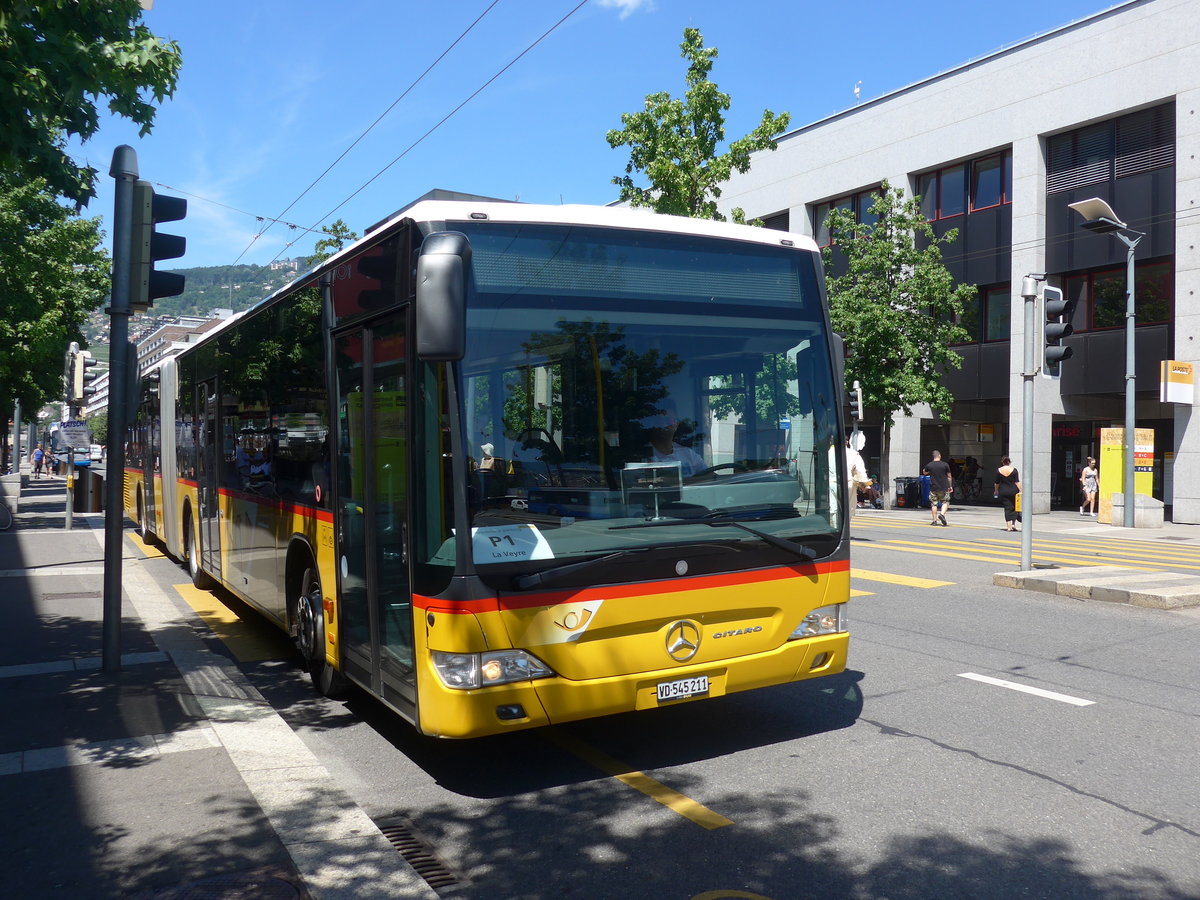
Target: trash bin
923,491
906,492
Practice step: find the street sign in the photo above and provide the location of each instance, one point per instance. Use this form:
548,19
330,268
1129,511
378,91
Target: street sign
76,435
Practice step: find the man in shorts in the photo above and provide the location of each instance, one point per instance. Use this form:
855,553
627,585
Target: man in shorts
940,479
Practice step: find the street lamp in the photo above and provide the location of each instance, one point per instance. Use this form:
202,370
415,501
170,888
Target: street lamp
1100,218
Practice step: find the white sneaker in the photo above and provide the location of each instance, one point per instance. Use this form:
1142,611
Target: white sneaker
1081,512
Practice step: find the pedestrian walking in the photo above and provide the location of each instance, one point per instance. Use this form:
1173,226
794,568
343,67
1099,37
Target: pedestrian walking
1006,489
940,480
856,474
1089,478
39,458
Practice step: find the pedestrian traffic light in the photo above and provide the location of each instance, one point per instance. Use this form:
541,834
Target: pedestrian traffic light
147,246
1059,311
856,402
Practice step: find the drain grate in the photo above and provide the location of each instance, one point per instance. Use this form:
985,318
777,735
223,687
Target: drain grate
417,854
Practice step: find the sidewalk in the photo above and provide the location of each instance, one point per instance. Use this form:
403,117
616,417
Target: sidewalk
171,778
1109,583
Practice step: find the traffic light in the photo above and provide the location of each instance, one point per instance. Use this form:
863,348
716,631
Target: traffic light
81,378
1059,311
148,246
856,402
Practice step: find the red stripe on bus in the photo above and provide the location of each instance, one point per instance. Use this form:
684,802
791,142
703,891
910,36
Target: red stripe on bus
619,591
321,515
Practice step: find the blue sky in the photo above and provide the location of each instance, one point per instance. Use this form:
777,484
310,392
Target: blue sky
273,91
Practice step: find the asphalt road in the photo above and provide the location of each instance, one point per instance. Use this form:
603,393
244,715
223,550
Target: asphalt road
929,769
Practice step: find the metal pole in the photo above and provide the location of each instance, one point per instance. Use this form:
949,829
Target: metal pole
124,170
1029,291
72,349
1128,489
17,438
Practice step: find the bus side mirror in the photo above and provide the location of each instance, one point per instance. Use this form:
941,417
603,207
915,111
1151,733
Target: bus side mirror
441,306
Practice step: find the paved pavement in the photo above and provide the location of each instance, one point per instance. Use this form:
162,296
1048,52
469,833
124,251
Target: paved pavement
1115,584
172,778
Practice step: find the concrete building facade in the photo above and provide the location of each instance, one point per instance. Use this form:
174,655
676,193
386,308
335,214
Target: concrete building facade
1107,106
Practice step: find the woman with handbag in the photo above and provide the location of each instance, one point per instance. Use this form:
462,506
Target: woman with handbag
1006,489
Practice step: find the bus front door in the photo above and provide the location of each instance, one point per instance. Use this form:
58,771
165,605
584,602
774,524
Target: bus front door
375,599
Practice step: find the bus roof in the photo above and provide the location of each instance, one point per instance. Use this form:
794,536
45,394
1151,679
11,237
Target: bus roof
448,211
443,213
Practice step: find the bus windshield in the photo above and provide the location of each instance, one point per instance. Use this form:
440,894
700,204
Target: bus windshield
617,382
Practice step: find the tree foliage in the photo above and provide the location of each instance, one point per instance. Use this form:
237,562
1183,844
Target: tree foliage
58,58
336,236
53,272
896,305
674,142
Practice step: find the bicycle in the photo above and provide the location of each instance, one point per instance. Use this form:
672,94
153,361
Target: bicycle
968,488
6,516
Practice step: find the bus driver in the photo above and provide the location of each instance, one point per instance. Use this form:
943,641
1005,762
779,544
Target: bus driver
662,441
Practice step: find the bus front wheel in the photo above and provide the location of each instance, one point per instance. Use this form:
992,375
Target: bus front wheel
200,578
310,636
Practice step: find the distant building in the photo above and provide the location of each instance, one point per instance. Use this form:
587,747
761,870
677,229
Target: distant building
1106,107
156,339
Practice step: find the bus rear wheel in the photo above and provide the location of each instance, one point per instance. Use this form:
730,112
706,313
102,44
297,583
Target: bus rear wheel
310,636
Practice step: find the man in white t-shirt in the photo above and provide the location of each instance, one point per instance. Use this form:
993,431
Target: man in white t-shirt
662,442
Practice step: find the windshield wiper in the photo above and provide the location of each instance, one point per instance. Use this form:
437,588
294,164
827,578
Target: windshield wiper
801,550
536,579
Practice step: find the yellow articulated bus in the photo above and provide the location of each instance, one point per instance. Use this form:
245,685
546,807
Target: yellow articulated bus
505,465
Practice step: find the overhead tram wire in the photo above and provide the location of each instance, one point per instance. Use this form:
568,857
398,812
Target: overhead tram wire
271,222
445,118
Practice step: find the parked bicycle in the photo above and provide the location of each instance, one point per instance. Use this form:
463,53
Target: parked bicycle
6,516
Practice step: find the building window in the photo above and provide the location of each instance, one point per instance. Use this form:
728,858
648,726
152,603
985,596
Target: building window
944,193
1102,294
1139,142
997,305
859,204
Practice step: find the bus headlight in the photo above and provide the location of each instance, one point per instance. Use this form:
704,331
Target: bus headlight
823,620
466,671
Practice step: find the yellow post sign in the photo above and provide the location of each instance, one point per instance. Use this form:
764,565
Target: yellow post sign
1112,466
1176,382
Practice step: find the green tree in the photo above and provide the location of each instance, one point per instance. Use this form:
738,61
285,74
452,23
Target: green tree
674,143
336,236
53,272
896,305
58,58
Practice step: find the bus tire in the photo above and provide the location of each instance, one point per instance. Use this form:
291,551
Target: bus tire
200,578
143,528
310,636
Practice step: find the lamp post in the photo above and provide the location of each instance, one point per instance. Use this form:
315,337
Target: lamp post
1100,218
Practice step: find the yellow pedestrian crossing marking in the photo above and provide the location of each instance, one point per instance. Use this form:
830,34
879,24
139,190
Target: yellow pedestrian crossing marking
248,642
890,578
985,554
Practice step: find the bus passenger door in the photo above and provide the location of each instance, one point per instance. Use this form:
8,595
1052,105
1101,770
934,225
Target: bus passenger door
208,516
376,623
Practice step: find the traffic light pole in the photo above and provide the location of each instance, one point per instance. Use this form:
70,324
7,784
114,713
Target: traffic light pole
124,170
1029,291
